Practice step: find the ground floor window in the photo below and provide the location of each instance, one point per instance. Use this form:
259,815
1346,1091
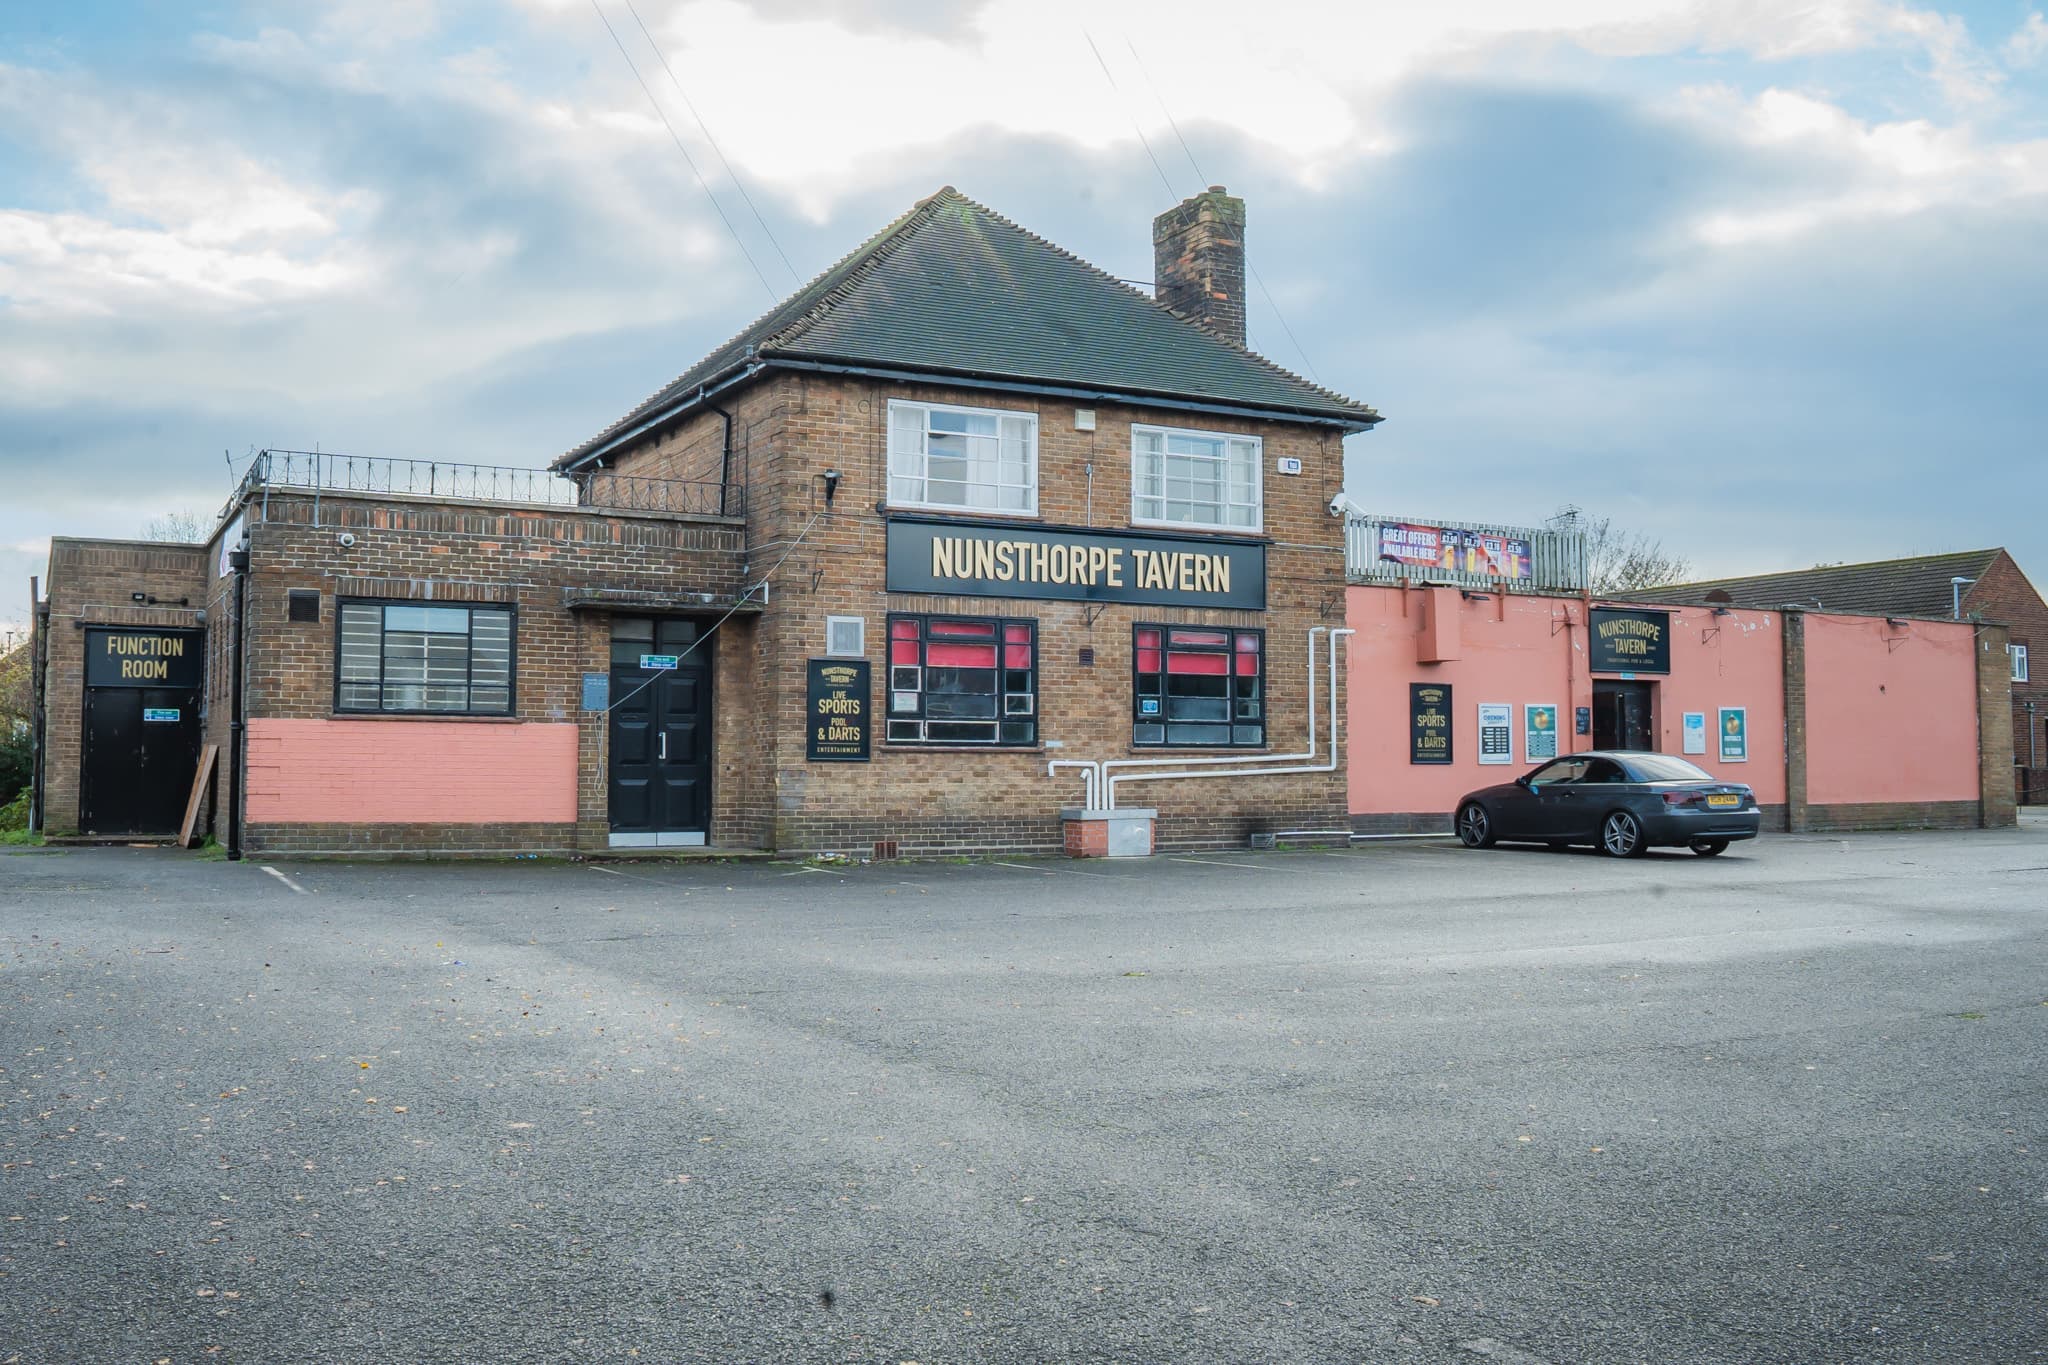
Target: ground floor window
1198,685
409,656
963,680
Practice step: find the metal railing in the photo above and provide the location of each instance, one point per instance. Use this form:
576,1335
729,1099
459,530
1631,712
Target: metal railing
1534,560
600,490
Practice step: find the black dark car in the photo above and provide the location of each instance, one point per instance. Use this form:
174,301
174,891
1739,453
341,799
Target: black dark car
1620,802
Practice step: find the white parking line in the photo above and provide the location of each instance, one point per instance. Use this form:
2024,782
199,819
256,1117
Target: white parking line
286,880
1024,867
1214,862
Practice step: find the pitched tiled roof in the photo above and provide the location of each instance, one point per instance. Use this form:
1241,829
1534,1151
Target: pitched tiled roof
1907,587
953,288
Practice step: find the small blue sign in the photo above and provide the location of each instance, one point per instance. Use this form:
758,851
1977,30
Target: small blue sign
160,714
597,691
659,662
1148,706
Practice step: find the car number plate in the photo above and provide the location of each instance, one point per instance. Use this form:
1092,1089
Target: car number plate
1722,800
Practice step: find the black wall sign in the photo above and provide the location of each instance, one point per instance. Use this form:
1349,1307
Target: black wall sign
1429,722
1048,563
144,656
1630,641
836,715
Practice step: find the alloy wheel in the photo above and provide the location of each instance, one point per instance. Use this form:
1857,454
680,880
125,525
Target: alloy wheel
1474,829
1621,836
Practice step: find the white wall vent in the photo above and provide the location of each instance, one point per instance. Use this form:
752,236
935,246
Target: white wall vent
846,637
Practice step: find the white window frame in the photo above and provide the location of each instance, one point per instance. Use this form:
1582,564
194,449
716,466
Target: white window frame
2019,662
922,458
1258,503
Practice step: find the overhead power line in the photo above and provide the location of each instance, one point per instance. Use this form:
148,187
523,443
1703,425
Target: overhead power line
1202,179
705,129
662,114
1135,126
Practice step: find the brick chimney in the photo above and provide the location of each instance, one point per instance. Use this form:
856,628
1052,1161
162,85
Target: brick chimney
1198,261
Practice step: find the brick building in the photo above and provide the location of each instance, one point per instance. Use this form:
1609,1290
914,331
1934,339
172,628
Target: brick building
1978,585
896,570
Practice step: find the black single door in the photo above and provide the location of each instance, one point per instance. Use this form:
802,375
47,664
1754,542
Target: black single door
660,775
1621,716
141,749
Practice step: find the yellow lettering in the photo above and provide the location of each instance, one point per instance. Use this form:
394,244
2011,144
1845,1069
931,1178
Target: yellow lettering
1037,569
1201,573
1116,568
943,563
1219,572
1187,571
1006,565
1098,561
984,559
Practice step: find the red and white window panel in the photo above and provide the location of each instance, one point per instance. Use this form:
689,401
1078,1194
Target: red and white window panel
963,680
1198,685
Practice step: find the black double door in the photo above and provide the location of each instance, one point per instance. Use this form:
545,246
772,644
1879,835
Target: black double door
1621,716
660,770
141,749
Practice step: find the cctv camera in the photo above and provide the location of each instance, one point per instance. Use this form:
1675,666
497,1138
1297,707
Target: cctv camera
1339,505
346,540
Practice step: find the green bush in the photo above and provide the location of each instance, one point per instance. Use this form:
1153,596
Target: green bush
17,761
14,815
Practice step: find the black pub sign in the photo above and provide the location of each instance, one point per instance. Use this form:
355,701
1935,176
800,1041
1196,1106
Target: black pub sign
142,656
836,710
1064,564
1429,722
1629,641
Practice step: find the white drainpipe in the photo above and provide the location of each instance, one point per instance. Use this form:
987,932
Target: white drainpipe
1091,778
1239,759
1249,767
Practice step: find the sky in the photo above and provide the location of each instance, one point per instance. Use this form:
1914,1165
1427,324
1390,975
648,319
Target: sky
1764,281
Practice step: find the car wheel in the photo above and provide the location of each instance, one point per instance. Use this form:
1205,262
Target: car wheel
1621,835
1475,829
1708,848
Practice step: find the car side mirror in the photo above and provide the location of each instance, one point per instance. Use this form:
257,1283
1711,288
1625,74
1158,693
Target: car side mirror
1525,784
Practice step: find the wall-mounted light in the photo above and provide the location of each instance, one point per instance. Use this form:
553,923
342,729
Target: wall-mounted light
831,477
1895,623
1471,596
1721,611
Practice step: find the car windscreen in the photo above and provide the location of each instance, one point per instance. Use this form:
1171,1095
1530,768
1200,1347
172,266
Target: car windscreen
1665,768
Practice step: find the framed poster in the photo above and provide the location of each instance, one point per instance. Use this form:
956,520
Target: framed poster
836,719
1734,730
1429,723
1695,732
1496,732
1539,731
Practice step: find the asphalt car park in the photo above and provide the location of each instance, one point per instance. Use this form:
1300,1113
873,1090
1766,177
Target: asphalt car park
1404,1102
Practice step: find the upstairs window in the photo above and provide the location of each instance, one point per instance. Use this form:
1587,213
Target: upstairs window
1194,478
950,458
963,680
411,657
1199,686
2019,662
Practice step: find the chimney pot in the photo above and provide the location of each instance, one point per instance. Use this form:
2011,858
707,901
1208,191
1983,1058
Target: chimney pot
1198,261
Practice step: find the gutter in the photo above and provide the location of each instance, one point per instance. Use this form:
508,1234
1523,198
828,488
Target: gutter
752,368
739,374
982,379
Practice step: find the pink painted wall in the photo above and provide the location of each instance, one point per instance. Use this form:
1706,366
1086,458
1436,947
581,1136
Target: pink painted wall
1517,649
1891,711
411,772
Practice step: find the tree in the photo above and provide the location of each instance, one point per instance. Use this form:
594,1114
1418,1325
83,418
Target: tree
1618,560
184,526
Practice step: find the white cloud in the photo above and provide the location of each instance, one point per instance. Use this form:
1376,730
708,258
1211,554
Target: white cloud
2028,43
